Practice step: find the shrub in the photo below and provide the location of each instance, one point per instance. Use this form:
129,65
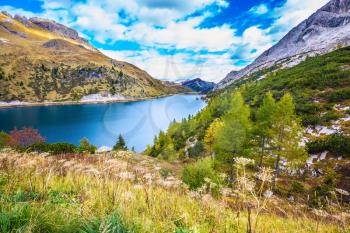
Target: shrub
54,148
4,139
197,150
194,174
297,187
25,137
338,144
85,146
338,95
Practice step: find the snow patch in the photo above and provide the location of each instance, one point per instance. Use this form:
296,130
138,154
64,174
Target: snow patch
99,97
13,103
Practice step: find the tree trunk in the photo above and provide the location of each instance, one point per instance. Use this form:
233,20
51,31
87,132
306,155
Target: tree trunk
277,167
233,170
262,154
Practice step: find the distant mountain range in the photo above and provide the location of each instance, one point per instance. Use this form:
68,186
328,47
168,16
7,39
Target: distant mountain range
42,60
324,31
199,85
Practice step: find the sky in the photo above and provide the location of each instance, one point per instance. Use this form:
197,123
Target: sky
176,40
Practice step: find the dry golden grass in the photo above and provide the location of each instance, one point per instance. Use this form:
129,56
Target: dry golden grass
93,187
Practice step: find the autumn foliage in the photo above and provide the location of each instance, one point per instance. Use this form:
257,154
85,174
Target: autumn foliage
24,137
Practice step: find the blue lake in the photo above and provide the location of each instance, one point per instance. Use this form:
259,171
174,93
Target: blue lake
138,122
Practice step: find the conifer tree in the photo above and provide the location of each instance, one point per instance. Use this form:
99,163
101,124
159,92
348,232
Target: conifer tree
264,122
286,134
120,145
233,136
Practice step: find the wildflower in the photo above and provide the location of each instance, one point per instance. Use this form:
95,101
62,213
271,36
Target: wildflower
268,194
246,184
342,192
244,161
265,174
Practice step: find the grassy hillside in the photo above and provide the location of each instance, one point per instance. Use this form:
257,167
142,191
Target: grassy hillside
122,192
37,65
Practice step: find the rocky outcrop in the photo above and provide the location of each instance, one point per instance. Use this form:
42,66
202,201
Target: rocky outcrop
55,27
324,31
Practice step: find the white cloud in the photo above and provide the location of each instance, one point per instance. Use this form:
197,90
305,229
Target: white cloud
259,10
177,67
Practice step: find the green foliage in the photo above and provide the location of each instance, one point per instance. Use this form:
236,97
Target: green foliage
194,174
85,146
54,148
197,150
323,193
111,224
339,144
4,139
338,95
120,144
232,137
297,187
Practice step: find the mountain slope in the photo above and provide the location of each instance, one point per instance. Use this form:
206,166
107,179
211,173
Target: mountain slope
199,85
43,60
322,32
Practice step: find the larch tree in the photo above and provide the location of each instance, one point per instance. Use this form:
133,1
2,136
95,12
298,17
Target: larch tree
286,134
233,135
210,135
263,126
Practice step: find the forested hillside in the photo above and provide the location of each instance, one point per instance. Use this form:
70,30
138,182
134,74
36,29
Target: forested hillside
279,119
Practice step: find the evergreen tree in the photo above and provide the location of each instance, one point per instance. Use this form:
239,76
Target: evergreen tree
233,135
120,145
264,122
286,134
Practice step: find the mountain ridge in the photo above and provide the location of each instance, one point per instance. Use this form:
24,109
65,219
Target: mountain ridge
324,31
41,60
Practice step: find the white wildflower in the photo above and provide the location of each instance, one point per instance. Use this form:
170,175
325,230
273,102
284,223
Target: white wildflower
342,192
268,194
244,161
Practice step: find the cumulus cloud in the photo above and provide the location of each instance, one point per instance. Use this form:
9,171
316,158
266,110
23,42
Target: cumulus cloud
173,25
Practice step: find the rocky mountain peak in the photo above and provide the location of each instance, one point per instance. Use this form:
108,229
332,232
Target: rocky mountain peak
337,6
324,31
55,27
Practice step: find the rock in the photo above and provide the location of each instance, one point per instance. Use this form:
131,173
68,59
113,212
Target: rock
23,20
324,31
55,27
104,149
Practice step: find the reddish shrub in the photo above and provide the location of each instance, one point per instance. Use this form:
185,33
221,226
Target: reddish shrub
24,137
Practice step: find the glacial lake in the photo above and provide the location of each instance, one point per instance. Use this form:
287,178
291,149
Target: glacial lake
138,122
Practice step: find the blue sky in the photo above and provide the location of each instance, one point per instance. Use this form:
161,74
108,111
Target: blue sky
176,39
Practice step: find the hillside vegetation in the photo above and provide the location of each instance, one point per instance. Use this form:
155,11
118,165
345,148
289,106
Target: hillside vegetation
293,121
38,65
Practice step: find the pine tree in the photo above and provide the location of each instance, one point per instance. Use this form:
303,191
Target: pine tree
120,145
286,133
233,135
264,122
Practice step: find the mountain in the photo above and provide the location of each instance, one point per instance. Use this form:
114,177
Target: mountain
198,85
42,60
324,31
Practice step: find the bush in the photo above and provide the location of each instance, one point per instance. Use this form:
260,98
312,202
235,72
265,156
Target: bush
4,139
25,137
338,144
197,150
297,187
85,146
339,95
194,174
54,148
